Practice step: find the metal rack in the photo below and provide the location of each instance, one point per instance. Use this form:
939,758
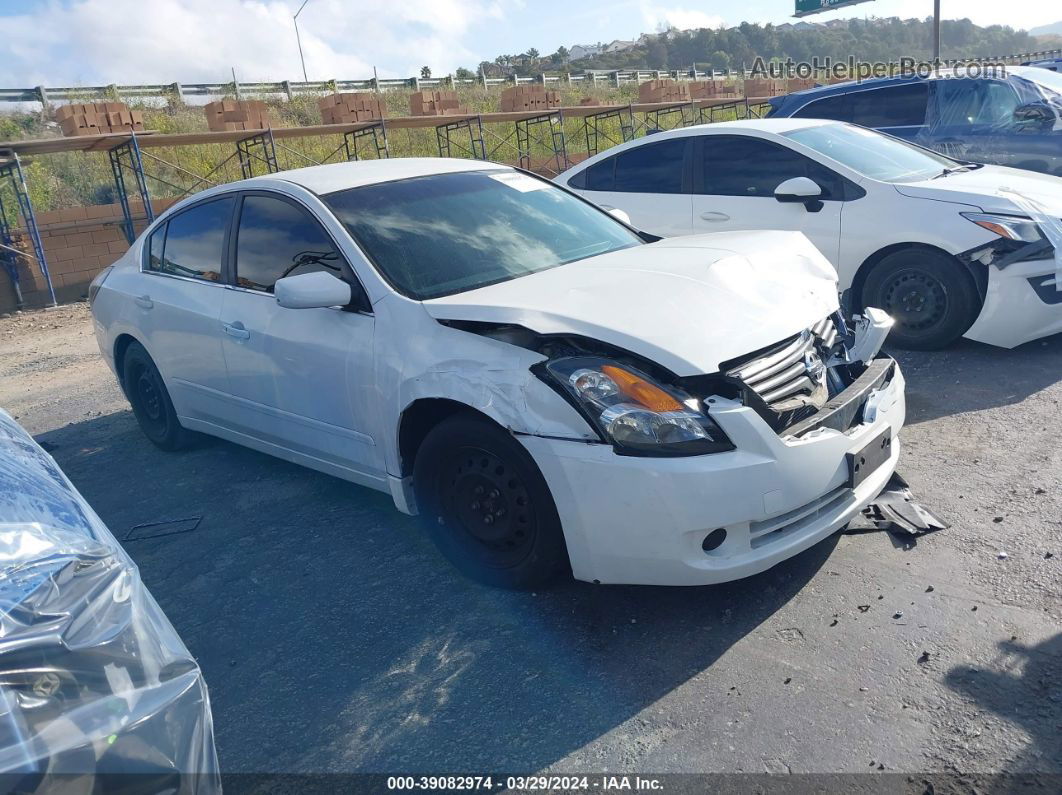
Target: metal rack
377,132
526,138
593,133
476,148
127,156
654,119
247,149
11,174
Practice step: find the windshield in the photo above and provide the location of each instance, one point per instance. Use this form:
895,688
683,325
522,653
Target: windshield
1050,81
446,233
872,154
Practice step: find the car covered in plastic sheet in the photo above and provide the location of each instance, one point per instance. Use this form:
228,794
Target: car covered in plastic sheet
97,691
1010,117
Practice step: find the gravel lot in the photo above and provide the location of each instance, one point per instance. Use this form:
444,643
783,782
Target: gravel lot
334,638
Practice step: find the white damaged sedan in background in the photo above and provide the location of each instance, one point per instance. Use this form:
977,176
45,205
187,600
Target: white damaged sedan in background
544,385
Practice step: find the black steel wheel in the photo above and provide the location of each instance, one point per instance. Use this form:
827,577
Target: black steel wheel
930,296
151,403
484,503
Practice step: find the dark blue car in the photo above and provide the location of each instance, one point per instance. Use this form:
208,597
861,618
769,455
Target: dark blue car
1011,119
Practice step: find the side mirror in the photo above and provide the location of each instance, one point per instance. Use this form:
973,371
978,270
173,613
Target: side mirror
311,291
619,214
1035,113
800,190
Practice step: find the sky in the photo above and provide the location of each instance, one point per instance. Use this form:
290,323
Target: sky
92,42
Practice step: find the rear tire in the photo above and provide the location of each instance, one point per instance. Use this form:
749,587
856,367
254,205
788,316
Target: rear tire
929,295
151,402
485,505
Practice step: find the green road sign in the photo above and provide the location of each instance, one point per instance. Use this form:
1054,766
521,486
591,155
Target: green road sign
807,7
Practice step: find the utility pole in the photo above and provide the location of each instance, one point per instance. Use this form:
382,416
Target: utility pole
936,30
298,38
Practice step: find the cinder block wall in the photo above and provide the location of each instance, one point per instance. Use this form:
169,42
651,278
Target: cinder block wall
78,242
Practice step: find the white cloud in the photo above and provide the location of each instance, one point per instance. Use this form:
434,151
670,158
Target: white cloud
657,17
83,42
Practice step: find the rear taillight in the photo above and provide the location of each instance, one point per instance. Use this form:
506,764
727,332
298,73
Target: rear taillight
97,283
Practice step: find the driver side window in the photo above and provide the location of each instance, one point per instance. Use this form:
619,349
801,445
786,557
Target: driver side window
275,238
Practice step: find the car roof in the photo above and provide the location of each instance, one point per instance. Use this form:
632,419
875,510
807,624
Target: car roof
777,125
356,174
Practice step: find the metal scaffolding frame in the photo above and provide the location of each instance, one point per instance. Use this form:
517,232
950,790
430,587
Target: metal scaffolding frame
127,155
526,137
707,115
654,118
378,133
11,173
245,150
592,128
9,254
476,148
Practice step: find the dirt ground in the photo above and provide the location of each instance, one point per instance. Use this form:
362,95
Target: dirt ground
334,638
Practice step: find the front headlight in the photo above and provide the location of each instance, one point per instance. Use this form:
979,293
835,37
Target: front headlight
635,413
1013,227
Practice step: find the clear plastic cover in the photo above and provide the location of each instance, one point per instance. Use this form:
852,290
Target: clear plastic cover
94,681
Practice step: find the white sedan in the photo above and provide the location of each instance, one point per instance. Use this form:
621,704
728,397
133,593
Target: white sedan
947,248
543,385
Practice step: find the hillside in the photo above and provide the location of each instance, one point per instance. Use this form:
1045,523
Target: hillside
875,39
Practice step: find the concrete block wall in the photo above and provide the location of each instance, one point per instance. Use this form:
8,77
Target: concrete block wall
78,243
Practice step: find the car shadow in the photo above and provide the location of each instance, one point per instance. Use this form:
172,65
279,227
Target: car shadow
1027,698
971,376
333,637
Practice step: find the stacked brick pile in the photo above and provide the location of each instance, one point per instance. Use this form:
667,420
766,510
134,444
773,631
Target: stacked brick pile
532,96
96,118
435,103
712,89
764,88
351,107
799,84
663,91
232,114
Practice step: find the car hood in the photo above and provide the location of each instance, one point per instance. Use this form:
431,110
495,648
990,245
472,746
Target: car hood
686,303
981,188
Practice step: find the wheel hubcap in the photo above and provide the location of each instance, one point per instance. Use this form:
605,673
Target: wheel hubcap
916,299
489,503
149,396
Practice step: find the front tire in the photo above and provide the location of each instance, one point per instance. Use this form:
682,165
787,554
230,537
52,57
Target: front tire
151,402
485,505
929,295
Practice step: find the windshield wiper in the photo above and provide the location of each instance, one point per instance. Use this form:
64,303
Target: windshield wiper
958,169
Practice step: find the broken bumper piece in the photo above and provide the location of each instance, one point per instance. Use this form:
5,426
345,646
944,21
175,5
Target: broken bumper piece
896,511
656,521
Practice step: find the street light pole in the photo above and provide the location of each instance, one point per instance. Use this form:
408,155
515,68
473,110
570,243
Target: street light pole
298,38
936,30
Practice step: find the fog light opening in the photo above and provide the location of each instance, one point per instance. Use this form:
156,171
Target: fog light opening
714,539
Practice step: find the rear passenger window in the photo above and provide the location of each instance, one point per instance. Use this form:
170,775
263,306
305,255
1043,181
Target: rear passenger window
891,106
600,176
155,244
278,239
652,168
836,108
745,166
195,240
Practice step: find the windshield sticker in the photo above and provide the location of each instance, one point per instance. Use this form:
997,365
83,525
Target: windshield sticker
522,182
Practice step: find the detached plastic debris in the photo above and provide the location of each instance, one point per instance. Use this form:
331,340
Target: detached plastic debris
896,511
95,685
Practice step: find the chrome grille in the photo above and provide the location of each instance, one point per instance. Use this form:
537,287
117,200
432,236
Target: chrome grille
792,375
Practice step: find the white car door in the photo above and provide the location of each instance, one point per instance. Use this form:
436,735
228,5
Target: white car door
734,179
298,377
178,303
650,182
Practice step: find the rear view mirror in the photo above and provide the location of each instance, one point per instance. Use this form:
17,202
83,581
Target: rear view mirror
800,190
312,291
619,214
1035,113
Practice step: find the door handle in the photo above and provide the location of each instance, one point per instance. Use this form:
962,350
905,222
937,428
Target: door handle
236,330
144,301
715,216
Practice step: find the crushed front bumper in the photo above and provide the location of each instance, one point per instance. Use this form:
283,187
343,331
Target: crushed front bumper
1021,304
643,520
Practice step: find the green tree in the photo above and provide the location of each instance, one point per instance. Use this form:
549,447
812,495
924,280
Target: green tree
425,72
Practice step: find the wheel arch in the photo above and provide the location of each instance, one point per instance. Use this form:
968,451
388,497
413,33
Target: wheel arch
121,346
420,417
977,275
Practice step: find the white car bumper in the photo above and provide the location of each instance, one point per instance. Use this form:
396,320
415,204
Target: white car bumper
1013,311
643,520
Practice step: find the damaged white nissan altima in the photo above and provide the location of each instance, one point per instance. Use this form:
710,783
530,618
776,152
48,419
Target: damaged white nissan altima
541,383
